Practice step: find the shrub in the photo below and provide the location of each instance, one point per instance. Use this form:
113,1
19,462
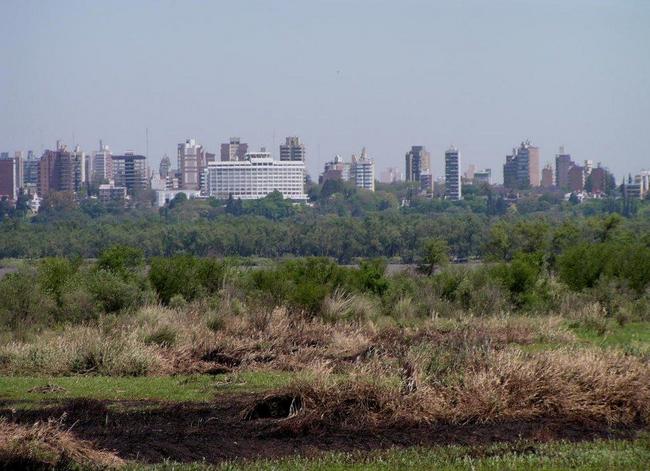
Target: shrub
112,293
177,302
186,275
22,304
53,274
215,322
121,260
164,336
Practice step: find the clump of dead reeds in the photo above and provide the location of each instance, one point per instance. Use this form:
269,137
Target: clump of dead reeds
480,386
45,445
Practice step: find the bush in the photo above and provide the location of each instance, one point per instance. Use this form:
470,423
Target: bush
22,304
53,274
187,276
520,278
112,293
215,322
121,260
164,336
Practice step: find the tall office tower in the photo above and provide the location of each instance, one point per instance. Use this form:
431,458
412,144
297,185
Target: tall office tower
30,170
292,149
8,184
521,169
417,162
547,176
59,170
130,171
362,171
79,158
233,150
102,166
453,189
527,165
256,176
510,170
165,166
563,164
190,162
589,166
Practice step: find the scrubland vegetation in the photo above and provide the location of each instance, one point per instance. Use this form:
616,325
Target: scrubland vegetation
123,358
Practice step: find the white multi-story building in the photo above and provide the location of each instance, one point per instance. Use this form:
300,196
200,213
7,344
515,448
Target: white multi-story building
102,165
452,174
362,171
255,177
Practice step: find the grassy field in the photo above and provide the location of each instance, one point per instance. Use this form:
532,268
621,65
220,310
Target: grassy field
276,392
30,391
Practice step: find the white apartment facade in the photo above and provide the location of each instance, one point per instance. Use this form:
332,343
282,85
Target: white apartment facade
255,177
362,171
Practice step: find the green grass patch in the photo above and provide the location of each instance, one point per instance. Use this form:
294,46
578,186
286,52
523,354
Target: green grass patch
615,335
168,388
615,454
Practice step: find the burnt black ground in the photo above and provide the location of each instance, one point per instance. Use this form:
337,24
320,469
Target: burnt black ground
152,431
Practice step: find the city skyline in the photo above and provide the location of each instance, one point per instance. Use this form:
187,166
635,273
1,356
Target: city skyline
559,73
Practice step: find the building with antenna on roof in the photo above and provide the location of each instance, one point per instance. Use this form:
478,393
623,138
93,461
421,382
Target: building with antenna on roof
362,171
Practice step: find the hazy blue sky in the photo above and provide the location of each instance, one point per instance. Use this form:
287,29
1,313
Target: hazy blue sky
482,75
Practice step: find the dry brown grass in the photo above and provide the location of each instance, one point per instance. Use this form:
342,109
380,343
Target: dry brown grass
486,387
45,445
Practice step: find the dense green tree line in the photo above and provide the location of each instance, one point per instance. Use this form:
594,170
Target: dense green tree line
273,227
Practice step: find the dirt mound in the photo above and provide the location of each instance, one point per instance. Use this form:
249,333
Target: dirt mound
255,426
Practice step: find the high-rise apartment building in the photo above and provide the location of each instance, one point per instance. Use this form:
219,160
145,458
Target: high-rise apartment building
80,166
8,183
563,164
417,162
165,166
30,170
576,178
191,161
293,149
521,169
233,150
453,189
337,169
362,171
60,170
256,176
130,171
547,176
599,181
19,158
102,166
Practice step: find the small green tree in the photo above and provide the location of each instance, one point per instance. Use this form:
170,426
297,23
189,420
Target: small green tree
435,254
